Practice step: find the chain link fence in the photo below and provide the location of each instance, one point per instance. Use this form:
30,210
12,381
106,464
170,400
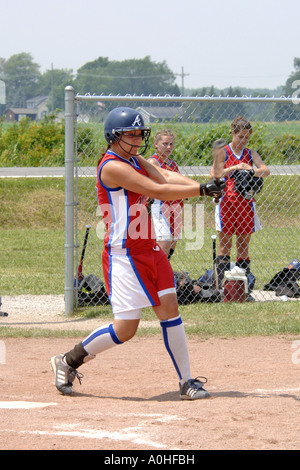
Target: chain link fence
196,123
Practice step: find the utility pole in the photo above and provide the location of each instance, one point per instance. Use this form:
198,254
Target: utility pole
52,89
182,79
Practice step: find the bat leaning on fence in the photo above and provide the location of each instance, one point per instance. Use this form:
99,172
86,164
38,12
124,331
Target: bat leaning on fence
214,276
79,275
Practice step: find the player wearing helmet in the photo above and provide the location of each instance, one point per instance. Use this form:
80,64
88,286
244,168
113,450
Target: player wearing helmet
236,213
137,272
121,121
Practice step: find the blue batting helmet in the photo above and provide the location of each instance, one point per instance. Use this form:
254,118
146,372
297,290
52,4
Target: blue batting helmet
125,119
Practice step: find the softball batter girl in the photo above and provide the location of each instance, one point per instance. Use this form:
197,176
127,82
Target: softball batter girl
137,272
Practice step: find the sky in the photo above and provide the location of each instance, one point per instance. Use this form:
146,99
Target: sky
249,44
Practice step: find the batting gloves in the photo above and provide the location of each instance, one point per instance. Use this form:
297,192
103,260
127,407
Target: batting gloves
213,188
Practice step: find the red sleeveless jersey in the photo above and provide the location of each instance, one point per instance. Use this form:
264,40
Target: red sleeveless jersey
128,225
231,160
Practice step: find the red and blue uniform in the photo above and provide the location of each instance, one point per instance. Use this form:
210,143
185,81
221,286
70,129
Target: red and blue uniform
236,214
136,270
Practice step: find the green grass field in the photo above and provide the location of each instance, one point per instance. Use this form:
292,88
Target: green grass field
32,260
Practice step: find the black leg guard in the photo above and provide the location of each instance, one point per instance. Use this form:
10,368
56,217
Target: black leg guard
222,265
244,264
76,357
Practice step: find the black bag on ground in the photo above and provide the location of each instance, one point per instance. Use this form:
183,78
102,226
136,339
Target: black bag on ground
92,292
290,289
184,288
208,292
190,290
285,282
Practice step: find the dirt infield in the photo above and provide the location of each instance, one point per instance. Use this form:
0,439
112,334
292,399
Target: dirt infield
129,397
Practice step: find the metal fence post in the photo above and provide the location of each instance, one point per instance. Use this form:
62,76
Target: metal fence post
69,200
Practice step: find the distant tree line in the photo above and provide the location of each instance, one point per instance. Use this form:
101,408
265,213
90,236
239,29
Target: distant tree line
23,80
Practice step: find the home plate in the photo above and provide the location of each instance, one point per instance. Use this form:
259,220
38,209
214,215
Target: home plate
23,405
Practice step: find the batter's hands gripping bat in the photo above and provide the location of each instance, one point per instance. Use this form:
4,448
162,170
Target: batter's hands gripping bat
79,275
217,199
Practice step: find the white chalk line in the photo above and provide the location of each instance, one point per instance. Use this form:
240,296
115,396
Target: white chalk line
276,390
23,405
134,434
131,434
261,391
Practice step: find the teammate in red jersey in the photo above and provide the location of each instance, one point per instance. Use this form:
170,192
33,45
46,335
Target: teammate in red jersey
137,272
166,215
235,214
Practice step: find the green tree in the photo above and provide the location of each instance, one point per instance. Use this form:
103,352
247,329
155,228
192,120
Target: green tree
132,76
290,85
52,83
21,76
291,88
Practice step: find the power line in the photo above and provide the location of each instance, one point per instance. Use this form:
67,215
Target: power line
88,74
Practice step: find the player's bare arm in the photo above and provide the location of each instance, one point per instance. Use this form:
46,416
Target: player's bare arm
218,171
115,174
261,169
153,161
170,177
153,170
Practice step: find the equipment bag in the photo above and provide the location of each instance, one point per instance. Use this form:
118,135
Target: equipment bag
285,282
92,292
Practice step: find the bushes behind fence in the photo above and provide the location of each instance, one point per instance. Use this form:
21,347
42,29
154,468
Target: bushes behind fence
32,144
